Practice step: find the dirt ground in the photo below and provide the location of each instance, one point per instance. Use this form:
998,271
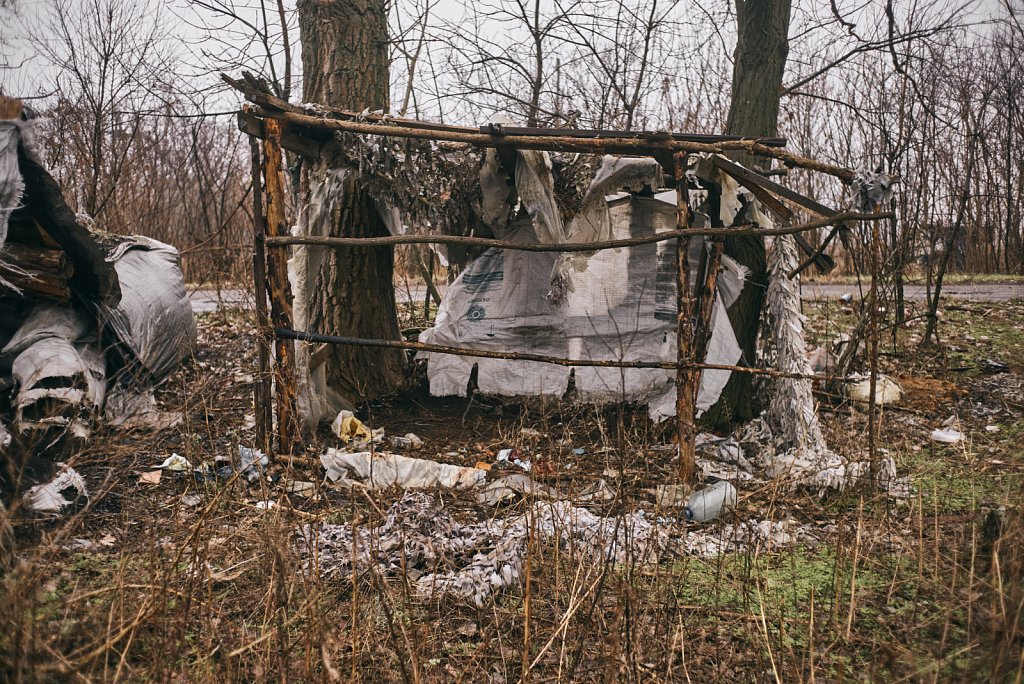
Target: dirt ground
194,579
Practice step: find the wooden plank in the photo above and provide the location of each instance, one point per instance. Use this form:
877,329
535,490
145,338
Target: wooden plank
751,178
755,182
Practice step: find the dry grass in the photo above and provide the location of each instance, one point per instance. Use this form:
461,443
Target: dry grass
929,589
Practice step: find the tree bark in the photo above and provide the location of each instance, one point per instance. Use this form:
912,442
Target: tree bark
762,46
345,65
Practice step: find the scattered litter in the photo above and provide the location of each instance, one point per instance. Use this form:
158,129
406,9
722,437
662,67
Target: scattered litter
483,465
846,298
81,544
991,428
130,409
994,366
151,477
505,455
947,436
409,441
579,451
301,488
266,505
512,486
175,462
347,428
710,502
252,463
53,497
191,500
472,561
599,491
513,456
887,390
386,470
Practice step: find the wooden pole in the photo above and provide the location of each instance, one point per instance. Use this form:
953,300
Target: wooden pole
684,330
264,331
618,146
876,249
747,229
280,294
525,356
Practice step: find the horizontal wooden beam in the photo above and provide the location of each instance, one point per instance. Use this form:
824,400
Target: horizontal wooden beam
390,240
616,146
303,336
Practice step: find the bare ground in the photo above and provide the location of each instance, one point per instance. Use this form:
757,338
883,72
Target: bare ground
188,580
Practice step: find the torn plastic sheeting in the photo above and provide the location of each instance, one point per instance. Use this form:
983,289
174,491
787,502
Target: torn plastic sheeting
154,319
11,183
316,401
130,408
623,307
54,371
47,319
514,485
57,494
594,221
387,470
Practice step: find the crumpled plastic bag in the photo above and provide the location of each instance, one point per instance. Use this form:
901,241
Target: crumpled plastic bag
347,427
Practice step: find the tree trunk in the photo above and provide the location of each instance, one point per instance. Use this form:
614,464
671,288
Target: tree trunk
759,62
345,65
762,45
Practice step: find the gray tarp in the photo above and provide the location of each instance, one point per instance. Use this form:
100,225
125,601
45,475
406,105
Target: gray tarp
154,320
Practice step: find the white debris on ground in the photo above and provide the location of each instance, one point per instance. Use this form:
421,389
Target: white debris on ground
63,491
475,560
386,470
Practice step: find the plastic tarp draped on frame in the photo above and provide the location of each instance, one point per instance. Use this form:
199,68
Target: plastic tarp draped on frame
621,304
154,320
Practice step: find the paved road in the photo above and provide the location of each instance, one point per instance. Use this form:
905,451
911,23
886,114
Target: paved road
981,292
205,301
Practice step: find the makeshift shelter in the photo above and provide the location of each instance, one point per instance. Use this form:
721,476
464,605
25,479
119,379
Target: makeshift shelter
89,321
633,306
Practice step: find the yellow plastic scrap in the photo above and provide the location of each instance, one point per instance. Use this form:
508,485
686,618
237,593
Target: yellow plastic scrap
347,427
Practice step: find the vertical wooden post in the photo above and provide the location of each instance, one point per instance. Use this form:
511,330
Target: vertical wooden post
876,248
264,332
280,293
684,330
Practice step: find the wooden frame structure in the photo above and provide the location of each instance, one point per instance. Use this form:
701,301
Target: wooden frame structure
283,125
